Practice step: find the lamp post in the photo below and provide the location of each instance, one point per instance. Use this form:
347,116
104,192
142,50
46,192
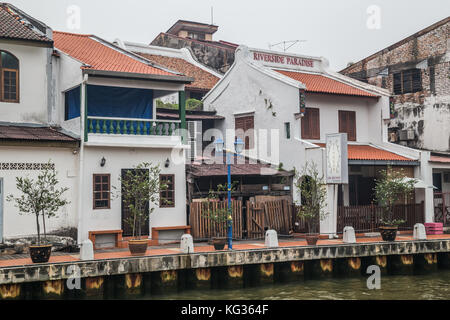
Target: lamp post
238,148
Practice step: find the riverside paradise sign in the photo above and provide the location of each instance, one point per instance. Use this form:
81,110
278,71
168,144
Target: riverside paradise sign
286,60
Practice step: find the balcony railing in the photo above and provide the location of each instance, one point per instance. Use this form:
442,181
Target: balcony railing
128,126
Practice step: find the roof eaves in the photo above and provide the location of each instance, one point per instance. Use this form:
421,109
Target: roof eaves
131,75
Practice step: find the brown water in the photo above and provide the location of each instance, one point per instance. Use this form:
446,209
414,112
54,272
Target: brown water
418,287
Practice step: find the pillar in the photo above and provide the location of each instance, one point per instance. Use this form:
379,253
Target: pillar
231,277
11,291
347,266
426,174
182,114
380,261
318,268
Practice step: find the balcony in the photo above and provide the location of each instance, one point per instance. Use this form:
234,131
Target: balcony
109,131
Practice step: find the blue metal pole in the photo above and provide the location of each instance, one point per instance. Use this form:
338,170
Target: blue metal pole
230,219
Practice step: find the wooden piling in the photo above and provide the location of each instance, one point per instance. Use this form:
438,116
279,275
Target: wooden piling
11,291
289,271
380,261
425,263
401,264
200,278
93,287
164,281
318,268
231,277
347,267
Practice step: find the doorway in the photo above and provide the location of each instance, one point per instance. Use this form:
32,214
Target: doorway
126,213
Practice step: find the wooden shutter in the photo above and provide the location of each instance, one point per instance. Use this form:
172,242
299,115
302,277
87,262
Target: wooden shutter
311,124
347,124
245,124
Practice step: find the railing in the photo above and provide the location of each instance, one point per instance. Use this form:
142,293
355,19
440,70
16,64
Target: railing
442,207
368,218
129,126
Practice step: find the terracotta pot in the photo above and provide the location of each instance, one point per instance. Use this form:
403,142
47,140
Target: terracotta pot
388,233
138,247
219,243
40,253
311,239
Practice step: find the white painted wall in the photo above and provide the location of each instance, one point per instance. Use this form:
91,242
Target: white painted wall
66,164
33,94
127,158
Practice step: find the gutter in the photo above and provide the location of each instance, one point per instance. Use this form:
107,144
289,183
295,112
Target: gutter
142,76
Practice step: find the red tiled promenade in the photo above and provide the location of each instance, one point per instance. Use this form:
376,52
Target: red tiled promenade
10,261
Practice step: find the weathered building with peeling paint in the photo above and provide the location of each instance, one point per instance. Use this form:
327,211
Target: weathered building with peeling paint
416,70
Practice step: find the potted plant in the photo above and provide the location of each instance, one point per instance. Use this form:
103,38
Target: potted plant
389,189
42,198
311,208
217,214
140,190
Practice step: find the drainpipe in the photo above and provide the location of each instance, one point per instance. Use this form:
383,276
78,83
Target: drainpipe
426,174
83,110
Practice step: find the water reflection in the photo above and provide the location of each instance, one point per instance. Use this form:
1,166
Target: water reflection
418,287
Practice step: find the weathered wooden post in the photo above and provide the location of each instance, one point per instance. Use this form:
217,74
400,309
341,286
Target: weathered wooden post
200,278
318,268
401,264
164,281
347,267
11,291
380,261
289,271
259,274
93,287
425,263
231,277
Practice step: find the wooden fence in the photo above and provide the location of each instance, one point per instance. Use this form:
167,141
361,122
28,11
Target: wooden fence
442,207
250,224
367,218
203,228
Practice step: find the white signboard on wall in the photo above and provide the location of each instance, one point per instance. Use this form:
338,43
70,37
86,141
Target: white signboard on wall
337,158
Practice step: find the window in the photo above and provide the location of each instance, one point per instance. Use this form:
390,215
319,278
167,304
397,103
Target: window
311,124
246,126
287,130
102,191
9,69
167,194
347,124
407,81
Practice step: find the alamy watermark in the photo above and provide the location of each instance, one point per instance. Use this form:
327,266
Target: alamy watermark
73,21
374,280
374,17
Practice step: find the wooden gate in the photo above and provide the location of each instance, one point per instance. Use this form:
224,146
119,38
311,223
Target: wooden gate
203,228
276,215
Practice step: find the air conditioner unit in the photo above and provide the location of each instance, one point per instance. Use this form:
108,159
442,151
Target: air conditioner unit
195,139
406,135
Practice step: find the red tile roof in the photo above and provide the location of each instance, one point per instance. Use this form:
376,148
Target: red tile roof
322,84
440,159
203,79
366,152
12,132
14,26
98,56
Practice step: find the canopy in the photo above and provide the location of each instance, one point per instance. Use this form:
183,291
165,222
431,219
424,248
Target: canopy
419,184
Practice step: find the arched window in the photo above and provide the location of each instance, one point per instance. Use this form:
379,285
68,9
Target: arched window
9,69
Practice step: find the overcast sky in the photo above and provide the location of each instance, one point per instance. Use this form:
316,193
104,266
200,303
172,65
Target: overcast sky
340,30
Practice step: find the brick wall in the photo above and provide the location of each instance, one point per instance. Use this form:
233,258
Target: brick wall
427,112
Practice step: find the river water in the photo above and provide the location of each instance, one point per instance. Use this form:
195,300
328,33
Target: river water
413,287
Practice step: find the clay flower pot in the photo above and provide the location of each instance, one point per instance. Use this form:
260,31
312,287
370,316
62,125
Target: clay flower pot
219,243
138,247
40,253
311,239
388,233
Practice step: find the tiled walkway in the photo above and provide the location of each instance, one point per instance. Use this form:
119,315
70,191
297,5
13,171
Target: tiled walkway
21,260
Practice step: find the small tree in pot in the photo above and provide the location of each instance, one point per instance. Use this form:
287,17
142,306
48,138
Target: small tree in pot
217,214
42,198
388,191
140,189
313,192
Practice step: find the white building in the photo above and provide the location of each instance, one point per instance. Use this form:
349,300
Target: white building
28,137
88,107
263,91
